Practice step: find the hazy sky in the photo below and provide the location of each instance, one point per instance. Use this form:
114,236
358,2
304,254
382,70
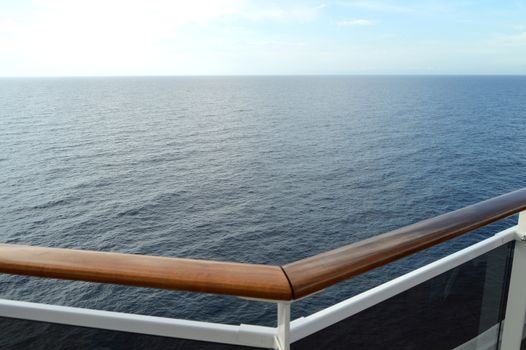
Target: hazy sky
222,37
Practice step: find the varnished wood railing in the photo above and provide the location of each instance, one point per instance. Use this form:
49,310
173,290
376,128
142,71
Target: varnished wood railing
248,280
291,281
315,273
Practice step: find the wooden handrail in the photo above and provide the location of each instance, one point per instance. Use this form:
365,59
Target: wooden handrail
320,271
246,280
291,281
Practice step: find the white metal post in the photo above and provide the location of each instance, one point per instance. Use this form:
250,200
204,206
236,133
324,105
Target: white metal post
516,308
283,336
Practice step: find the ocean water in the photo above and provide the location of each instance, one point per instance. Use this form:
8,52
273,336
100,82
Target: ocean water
248,169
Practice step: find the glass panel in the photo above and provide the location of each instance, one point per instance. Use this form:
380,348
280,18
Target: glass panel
443,313
23,334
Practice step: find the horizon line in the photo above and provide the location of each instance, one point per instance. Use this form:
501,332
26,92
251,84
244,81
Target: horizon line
259,75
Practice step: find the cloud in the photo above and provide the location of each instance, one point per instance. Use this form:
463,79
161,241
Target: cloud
280,11
279,43
354,23
380,6
177,13
518,38
110,37
63,37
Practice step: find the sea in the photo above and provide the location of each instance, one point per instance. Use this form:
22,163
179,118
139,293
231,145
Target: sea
265,169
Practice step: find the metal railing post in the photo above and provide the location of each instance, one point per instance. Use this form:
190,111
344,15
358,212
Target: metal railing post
283,336
516,307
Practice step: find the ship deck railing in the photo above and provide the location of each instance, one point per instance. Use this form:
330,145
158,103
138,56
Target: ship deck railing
496,267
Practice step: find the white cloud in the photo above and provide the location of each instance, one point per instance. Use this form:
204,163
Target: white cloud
73,37
63,32
279,43
354,22
374,5
279,12
515,38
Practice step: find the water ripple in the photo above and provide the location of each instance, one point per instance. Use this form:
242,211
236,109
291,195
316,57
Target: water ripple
264,170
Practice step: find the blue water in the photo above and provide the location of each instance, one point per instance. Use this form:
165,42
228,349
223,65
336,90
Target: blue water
249,169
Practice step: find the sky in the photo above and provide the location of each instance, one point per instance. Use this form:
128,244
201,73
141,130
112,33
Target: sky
249,37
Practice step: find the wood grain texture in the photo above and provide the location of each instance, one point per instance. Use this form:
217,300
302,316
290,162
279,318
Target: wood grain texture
246,280
318,272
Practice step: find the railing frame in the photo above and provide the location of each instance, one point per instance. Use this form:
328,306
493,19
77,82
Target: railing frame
516,306
283,326
280,337
245,335
279,284
305,326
